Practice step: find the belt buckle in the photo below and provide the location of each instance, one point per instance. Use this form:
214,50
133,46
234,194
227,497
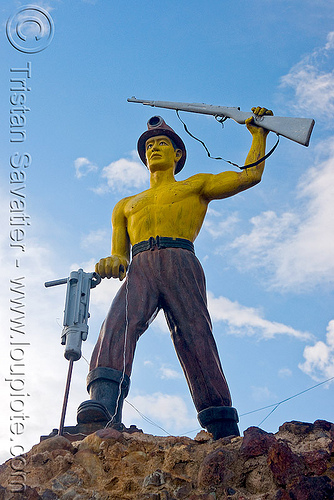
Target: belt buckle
151,243
154,242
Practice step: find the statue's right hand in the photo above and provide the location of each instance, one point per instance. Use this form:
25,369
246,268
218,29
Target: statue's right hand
114,266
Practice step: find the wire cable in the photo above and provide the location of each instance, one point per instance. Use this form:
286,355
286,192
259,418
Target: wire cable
223,159
124,350
276,405
146,418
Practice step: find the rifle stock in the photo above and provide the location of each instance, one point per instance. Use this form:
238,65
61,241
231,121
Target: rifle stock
296,129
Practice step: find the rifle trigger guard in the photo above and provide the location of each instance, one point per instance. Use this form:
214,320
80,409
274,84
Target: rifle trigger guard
221,119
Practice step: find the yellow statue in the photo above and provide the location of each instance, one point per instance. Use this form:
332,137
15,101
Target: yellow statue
161,224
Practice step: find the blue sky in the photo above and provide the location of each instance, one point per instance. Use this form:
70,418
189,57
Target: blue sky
267,252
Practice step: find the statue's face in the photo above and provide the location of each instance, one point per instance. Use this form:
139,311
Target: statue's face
160,153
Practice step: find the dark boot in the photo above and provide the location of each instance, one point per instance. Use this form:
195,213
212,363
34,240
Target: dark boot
220,421
106,396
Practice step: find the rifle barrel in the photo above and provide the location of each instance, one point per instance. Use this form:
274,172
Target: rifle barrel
295,129
196,107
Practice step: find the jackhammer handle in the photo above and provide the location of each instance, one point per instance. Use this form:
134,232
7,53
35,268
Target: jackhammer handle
62,281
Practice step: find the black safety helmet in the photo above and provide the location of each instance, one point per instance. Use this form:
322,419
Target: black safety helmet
157,126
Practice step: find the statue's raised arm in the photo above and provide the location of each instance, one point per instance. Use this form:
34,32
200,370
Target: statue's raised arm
230,183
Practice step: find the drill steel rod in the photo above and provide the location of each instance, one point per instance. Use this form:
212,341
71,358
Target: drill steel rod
67,390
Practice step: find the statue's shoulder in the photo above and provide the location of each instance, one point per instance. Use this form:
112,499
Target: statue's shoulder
198,177
196,181
121,204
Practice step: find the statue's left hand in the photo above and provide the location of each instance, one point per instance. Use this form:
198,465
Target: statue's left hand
252,127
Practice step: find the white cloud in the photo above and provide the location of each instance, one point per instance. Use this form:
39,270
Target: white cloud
95,238
104,293
297,247
319,358
219,228
168,373
83,166
330,41
159,324
268,229
46,5
261,393
244,320
284,373
313,86
123,175
168,411
44,366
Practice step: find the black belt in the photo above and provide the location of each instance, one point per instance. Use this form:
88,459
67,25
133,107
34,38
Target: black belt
162,242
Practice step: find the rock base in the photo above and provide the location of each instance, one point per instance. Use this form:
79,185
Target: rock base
296,463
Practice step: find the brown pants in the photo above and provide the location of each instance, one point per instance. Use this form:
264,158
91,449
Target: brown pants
171,279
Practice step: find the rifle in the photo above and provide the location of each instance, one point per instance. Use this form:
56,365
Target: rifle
76,316
295,129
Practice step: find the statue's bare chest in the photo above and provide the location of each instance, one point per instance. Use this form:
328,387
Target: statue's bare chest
158,200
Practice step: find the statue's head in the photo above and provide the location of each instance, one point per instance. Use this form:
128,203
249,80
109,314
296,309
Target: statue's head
157,127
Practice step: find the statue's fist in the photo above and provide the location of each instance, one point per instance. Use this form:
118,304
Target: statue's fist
253,127
261,111
114,266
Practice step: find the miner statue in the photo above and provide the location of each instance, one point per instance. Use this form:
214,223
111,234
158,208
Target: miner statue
155,231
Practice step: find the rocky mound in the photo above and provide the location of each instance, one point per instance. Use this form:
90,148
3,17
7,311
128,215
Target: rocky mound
294,464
